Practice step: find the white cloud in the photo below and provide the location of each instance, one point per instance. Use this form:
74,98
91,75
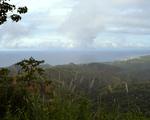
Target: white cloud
79,23
89,18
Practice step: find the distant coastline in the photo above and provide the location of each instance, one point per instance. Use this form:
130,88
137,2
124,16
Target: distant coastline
59,57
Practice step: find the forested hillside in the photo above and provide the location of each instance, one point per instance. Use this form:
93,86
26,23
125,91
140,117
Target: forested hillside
95,91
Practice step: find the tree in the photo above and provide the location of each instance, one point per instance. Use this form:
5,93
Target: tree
30,68
30,71
8,10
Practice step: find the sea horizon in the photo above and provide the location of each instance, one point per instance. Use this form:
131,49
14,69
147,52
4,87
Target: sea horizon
60,57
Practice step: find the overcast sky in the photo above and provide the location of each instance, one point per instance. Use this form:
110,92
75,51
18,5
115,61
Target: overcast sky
79,24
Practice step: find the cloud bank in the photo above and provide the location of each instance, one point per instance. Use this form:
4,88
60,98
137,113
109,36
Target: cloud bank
80,24
90,18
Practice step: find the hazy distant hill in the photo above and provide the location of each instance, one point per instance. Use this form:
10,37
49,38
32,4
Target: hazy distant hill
132,70
140,63
136,69
92,67
124,81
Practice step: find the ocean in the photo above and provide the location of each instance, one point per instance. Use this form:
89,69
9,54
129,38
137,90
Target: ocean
60,57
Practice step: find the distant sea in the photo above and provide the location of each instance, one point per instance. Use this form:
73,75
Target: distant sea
59,57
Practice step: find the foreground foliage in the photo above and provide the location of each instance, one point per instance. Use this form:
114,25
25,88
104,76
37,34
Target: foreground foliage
32,95
9,10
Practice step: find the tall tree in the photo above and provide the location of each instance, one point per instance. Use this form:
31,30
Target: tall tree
8,10
30,68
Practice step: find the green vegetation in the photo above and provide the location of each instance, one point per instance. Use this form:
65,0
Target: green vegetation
9,10
96,91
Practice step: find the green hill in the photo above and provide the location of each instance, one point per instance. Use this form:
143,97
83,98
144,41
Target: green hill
140,63
121,87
